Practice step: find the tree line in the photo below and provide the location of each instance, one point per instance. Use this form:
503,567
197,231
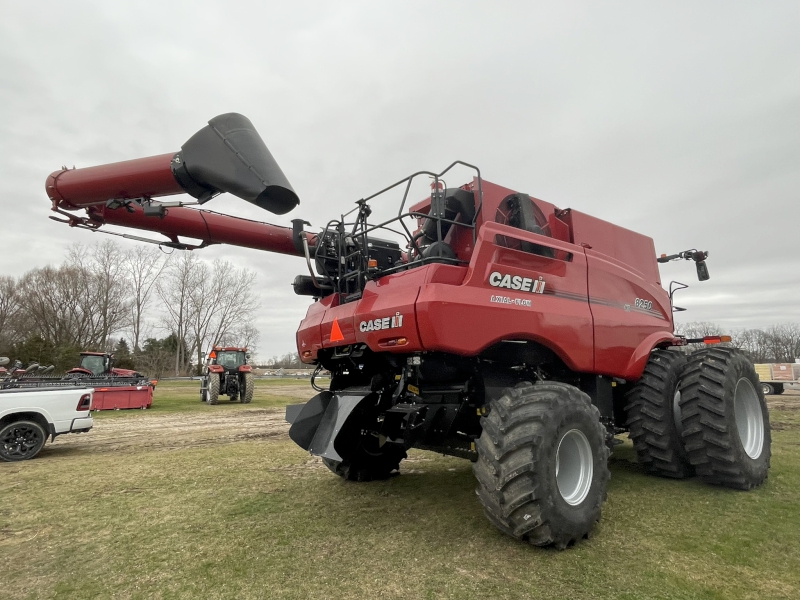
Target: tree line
158,312
775,344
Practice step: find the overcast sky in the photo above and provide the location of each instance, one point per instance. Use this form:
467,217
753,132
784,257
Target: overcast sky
680,120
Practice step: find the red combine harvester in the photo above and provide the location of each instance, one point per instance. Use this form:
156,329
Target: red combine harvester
478,322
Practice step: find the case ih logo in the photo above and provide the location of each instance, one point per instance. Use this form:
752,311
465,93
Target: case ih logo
515,282
384,323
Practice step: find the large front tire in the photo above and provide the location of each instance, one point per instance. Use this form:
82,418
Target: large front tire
725,419
654,416
542,466
21,440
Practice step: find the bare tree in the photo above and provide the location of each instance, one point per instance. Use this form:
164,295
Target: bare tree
104,289
54,305
222,306
144,267
783,341
244,336
9,310
175,289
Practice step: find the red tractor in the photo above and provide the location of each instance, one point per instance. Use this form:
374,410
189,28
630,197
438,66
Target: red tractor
479,322
228,373
100,364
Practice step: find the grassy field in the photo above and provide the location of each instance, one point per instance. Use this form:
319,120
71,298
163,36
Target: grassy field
261,519
180,396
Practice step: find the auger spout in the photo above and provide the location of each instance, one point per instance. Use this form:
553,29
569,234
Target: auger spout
227,155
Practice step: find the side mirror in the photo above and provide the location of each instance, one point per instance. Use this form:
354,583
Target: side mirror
702,270
247,356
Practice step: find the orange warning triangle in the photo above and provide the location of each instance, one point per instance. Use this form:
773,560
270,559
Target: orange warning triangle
336,333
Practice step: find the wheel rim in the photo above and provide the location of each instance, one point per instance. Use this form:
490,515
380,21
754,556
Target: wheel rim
766,388
574,467
749,420
676,412
20,441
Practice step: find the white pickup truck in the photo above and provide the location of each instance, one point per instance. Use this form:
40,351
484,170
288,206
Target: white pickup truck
28,416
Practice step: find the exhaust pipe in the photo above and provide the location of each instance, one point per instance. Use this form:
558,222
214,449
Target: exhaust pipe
227,155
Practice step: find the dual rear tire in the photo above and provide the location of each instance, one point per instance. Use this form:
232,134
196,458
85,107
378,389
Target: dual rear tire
725,421
703,414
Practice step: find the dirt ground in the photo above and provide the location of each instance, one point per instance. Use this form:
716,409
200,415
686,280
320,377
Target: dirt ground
186,430
173,431
167,432
788,400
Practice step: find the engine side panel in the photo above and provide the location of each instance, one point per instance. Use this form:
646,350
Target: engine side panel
553,310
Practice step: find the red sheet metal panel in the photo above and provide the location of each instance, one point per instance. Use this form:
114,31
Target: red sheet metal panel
119,398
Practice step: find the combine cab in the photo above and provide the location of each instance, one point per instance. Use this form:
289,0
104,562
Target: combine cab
227,373
478,322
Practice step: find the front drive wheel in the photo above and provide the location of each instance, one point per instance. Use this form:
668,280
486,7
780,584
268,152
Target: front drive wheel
725,420
542,464
21,440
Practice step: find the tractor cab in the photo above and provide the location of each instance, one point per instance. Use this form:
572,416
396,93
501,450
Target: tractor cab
100,364
229,359
97,363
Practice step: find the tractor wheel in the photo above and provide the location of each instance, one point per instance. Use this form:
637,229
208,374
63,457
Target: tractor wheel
768,389
724,418
21,440
212,390
654,416
246,388
372,462
542,466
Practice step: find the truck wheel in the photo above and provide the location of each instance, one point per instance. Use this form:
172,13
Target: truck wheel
725,420
21,440
372,462
767,389
654,416
542,464
246,388
212,391
778,388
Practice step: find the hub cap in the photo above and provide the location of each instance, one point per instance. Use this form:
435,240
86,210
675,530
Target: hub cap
749,420
19,441
574,467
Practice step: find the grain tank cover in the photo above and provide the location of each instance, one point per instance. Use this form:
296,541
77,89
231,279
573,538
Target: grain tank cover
228,155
